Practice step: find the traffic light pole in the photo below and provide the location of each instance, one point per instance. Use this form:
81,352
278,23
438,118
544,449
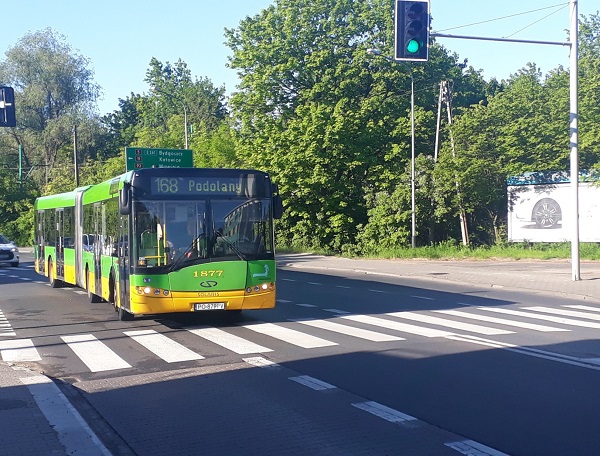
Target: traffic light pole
574,114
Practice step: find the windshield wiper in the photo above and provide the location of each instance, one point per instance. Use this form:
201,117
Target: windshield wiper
185,256
233,247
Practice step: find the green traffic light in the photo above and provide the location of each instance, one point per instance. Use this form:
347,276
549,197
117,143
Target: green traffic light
413,46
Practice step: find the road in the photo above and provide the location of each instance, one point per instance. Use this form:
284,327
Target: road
347,363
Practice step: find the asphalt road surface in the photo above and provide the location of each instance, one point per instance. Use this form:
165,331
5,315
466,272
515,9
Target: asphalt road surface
347,363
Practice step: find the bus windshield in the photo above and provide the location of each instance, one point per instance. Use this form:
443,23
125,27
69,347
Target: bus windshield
174,234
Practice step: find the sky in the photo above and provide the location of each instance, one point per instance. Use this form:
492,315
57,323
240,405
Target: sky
119,37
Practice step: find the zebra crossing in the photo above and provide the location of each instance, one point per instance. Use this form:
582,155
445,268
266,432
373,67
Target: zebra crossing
394,327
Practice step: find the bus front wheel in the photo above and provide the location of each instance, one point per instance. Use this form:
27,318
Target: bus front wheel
124,315
121,312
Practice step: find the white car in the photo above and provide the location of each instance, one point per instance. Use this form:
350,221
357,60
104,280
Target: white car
9,253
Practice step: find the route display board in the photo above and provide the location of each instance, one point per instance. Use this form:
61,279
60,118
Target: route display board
143,157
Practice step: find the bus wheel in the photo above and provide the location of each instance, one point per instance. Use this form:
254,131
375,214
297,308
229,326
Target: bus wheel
54,282
124,315
92,296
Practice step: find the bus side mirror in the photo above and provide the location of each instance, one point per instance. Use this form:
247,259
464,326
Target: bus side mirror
277,202
125,200
277,207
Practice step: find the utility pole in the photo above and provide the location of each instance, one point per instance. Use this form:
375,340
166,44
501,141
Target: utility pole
574,156
464,230
573,45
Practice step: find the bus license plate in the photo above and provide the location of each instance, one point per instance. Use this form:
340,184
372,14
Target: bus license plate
209,306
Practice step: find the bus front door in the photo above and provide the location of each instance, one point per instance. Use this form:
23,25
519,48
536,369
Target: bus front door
60,245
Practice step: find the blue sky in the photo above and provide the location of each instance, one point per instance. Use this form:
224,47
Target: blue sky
120,37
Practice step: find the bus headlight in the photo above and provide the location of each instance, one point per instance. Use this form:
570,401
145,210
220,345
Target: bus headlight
262,287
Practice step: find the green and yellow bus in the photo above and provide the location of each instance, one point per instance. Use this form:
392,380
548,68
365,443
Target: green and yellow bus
161,240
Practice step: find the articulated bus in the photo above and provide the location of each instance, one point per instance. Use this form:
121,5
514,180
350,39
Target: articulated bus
161,240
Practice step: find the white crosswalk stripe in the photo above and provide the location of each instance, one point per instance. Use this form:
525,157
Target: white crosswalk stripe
288,335
18,350
94,353
349,330
5,327
564,321
99,357
590,308
397,326
449,323
566,313
229,341
501,321
163,347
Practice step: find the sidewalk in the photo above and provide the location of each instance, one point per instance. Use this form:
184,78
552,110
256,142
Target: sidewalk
37,419
553,277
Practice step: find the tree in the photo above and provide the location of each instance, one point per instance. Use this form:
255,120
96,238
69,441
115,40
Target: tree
330,121
174,95
54,91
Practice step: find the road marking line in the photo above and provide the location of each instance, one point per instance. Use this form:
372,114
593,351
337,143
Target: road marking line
566,313
163,347
18,350
472,448
593,309
313,383
306,305
94,353
336,311
71,429
397,326
450,324
229,341
259,361
502,321
427,298
350,330
587,363
288,335
564,321
388,414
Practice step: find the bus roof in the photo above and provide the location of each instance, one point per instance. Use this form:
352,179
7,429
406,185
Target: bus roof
66,199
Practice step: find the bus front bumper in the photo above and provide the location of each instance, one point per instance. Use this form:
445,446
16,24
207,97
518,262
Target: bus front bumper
154,301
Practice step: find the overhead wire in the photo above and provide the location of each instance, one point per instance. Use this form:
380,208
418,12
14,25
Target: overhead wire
558,6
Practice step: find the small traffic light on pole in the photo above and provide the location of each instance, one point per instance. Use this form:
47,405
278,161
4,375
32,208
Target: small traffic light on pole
412,30
7,107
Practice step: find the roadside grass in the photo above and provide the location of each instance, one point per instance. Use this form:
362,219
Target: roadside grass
445,251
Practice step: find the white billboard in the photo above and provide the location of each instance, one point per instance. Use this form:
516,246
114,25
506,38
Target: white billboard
540,209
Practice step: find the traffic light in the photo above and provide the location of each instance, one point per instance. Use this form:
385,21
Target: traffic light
412,30
7,107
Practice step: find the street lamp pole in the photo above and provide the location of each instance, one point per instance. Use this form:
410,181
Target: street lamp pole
412,147
412,162
185,124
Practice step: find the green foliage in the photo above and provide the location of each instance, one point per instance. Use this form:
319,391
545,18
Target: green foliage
16,208
330,121
54,91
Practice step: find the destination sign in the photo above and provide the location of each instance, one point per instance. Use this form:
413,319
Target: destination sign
143,157
214,186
